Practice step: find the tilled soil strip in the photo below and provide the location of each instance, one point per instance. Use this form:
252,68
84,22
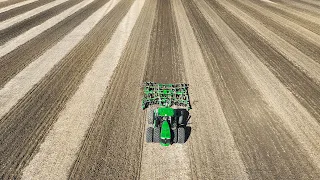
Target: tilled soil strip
24,127
11,2
13,62
16,19
165,65
310,24
296,4
58,152
113,146
307,65
254,125
22,9
296,38
301,85
300,17
21,27
310,3
212,150
302,127
23,38
10,7
20,85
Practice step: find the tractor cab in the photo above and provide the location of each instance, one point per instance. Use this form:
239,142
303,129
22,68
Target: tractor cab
165,112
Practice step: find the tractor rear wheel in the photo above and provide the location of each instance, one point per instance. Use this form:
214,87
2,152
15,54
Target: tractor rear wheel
181,135
182,118
156,135
175,135
150,116
180,122
149,135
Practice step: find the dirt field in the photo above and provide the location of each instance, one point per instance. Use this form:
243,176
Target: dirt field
70,88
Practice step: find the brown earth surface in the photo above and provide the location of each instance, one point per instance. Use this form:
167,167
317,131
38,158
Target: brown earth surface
8,3
21,27
255,109
19,10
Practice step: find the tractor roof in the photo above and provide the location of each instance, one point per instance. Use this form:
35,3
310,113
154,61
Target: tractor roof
165,111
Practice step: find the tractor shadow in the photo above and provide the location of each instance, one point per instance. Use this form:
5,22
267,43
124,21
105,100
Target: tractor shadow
186,118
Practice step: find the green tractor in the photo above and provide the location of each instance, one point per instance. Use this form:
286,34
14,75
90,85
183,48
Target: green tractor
168,110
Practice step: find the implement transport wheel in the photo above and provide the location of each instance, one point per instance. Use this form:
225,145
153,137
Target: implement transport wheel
150,116
149,135
175,135
181,135
156,135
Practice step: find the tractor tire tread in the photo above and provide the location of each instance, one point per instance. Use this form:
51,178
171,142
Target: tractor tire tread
156,135
181,135
149,135
150,116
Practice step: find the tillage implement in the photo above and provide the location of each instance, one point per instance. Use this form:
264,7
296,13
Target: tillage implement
168,108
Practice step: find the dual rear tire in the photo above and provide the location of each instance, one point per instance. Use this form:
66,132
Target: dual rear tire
153,135
181,135
156,135
149,135
175,135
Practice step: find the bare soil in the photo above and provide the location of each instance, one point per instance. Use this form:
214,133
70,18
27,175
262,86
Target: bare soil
253,69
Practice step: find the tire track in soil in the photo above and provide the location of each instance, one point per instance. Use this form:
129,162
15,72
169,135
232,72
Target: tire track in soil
165,65
112,148
23,26
253,124
22,9
302,87
13,62
289,35
24,127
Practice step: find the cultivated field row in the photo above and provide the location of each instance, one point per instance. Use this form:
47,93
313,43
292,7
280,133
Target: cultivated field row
70,88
